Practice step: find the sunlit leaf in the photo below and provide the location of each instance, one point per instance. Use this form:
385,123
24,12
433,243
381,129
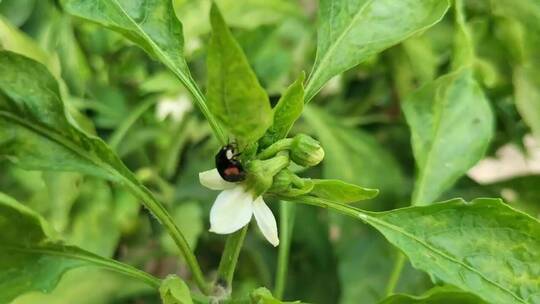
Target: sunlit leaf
442,115
483,247
350,31
235,96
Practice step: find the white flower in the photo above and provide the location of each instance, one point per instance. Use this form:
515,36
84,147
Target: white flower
235,206
175,107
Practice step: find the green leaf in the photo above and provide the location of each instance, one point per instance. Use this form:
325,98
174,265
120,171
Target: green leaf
352,31
286,112
152,25
437,295
451,124
36,134
30,259
341,192
483,247
235,96
174,290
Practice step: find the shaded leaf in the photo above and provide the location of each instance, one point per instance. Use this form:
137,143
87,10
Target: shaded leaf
351,31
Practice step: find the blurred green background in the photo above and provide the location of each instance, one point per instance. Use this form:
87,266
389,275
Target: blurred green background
125,98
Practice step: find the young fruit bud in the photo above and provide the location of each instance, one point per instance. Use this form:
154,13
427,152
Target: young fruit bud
261,173
282,181
288,184
306,151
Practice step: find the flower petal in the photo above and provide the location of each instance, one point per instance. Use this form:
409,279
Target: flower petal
266,221
231,211
212,180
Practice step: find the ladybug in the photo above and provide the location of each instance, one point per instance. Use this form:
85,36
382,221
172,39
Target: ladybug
228,165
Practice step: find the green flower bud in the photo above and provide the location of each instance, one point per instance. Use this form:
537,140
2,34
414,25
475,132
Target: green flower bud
282,181
306,151
260,173
286,183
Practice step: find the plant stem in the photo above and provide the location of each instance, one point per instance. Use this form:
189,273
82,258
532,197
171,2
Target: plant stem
159,211
287,213
396,273
275,148
229,258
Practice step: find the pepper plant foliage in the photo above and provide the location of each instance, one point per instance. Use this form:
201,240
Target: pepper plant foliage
355,124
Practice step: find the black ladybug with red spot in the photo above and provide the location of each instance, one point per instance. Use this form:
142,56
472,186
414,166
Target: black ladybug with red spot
228,164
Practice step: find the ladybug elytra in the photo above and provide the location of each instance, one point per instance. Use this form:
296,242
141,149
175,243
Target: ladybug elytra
228,165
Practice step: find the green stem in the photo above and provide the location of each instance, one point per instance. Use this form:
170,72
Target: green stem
159,211
229,258
128,122
275,148
396,273
287,212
